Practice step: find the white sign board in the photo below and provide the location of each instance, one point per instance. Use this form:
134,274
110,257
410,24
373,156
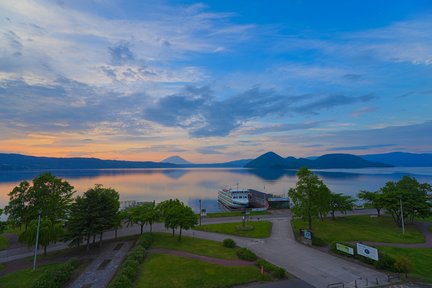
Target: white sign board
345,248
367,251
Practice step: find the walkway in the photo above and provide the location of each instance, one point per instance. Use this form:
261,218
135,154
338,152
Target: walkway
100,272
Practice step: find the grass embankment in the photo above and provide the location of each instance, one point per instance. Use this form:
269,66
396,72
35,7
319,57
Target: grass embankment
236,213
4,243
260,229
362,228
193,245
25,277
420,257
166,271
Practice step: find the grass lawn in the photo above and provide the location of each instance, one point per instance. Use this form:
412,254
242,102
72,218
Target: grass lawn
4,243
165,271
421,257
362,228
261,229
193,245
235,213
24,278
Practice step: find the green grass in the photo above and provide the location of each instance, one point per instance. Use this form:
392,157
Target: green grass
362,228
261,229
236,213
193,245
24,278
166,271
4,243
421,257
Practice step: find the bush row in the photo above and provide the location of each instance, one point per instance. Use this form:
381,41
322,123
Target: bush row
128,271
57,277
276,271
400,264
246,254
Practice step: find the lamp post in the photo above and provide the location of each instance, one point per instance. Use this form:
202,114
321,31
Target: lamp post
402,215
200,211
37,239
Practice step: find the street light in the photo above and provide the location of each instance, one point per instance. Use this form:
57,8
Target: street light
200,211
402,215
37,239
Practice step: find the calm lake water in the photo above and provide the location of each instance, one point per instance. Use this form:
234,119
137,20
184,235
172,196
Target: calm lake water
192,185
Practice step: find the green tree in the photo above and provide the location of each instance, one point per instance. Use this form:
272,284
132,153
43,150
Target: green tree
2,223
185,218
49,232
166,209
145,214
373,198
92,214
307,196
51,194
341,203
413,196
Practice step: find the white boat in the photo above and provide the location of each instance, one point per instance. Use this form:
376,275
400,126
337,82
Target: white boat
234,198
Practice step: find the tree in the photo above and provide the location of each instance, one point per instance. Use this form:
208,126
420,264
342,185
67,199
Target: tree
413,196
145,214
51,194
373,198
92,214
185,218
307,196
2,223
166,209
49,232
340,202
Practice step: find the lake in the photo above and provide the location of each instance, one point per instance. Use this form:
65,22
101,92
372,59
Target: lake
192,185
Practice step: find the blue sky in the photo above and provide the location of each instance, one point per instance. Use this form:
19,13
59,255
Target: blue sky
215,80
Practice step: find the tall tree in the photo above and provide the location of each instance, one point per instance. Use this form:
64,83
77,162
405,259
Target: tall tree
145,214
51,194
167,209
307,196
341,203
92,214
185,218
375,199
49,232
412,195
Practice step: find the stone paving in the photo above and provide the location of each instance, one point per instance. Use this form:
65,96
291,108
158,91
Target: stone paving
100,272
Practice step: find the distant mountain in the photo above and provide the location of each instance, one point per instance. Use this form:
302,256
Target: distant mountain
401,159
267,160
231,164
176,160
24,162
328,161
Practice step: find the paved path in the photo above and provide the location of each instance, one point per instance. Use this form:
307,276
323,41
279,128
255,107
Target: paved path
311,265
99,273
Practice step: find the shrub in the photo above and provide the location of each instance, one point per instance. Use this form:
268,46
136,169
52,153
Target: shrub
138,254
57,277
403,264
279,273
146,240
269,267
385,262
316,241
229,243
246,254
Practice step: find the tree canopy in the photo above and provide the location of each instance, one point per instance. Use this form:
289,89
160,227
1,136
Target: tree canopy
341,203
375,199
412,195
177,215
51,194
310,197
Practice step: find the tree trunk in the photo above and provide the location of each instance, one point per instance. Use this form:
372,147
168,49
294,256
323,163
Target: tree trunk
151,227
333,215
94,238
310,221
100,239
378,211
142,228
115,233
173,232
88,242
180,234
45,250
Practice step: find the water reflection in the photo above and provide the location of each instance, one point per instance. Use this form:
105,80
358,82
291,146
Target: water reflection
192,185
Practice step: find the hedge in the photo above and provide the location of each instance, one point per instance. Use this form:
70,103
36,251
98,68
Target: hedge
246,254
276,271
128,271
58,277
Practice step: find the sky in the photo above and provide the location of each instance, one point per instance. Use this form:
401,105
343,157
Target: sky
214,81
